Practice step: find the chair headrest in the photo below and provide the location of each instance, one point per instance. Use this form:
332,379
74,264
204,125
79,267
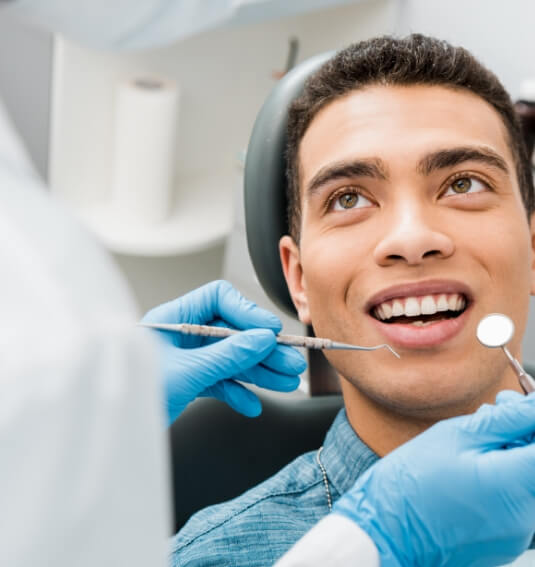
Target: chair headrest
265,182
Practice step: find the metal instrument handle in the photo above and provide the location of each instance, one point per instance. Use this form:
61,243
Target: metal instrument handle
205,330
305,342
526,381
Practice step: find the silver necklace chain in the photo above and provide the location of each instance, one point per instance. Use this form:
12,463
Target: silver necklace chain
325,480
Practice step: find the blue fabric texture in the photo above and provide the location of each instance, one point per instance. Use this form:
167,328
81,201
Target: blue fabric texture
259,526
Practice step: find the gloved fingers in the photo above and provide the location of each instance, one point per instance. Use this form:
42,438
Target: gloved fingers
502,423
227,357
180,310
188,372
506,396
240,312
285,360
197,306
215,300
515,466
193,341
179,340
238,397
265,378
217,323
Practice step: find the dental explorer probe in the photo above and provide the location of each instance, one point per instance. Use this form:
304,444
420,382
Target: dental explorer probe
496,330
292,340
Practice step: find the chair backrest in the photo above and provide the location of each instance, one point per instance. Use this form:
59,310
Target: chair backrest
265,182
218,454
265,203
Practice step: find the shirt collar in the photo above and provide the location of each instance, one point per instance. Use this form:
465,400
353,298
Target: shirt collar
345,456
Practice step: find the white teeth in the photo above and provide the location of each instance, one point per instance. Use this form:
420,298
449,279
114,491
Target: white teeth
412,307
442,303
428,305
397,308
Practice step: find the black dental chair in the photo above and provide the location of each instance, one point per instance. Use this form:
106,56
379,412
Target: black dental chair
218,454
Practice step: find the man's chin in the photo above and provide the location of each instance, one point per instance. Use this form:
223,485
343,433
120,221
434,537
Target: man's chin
423,399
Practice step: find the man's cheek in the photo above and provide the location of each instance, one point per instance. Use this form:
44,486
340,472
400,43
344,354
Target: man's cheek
329,256
322,270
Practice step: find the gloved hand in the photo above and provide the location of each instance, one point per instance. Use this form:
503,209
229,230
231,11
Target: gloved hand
202,366
461,493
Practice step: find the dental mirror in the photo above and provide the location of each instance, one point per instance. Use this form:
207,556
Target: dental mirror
495,330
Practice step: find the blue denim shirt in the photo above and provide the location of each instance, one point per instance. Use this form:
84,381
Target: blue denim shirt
259,526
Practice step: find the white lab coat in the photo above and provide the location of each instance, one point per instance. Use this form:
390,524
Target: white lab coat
336,541
83,479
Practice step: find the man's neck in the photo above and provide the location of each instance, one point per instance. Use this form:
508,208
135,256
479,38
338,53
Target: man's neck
383,429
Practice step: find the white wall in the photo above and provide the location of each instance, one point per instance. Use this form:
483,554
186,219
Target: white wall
499,32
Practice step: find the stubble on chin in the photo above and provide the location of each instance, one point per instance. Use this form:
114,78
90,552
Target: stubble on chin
432,395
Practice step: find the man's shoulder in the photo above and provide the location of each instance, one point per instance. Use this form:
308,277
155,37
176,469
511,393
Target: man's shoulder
260,525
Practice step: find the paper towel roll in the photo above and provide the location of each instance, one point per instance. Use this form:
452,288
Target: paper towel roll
144,149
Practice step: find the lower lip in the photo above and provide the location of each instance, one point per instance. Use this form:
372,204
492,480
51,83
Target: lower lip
410,336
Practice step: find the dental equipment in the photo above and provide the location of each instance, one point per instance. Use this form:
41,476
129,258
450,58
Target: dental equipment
292,340
496,330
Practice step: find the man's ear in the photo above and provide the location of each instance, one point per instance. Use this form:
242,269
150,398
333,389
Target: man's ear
293,272
532,230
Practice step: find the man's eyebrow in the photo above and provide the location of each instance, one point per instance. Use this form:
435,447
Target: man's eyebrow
451,157
372,167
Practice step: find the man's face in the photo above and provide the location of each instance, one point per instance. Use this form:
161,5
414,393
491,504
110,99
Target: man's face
412,230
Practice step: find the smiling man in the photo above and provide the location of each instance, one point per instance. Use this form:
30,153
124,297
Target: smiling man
410,197
408,226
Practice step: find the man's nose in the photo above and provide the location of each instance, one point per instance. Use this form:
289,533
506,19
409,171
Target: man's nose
414,233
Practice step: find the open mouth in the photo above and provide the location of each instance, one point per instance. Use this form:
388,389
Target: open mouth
420,311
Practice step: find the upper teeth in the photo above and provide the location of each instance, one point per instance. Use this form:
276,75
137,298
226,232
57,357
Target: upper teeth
419,305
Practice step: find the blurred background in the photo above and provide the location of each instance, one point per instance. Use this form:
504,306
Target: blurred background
62,98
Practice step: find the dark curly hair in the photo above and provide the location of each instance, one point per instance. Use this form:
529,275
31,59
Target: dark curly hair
414,60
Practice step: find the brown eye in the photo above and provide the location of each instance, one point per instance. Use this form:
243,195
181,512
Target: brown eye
466,185
348,200
462,185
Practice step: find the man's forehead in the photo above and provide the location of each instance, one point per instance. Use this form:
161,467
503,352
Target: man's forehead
399,123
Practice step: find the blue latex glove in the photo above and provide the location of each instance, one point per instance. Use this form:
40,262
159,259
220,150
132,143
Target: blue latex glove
201,366
461,493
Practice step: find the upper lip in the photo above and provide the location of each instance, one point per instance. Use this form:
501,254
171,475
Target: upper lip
417,289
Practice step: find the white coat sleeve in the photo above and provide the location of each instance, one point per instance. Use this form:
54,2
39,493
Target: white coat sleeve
335,541
84,476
